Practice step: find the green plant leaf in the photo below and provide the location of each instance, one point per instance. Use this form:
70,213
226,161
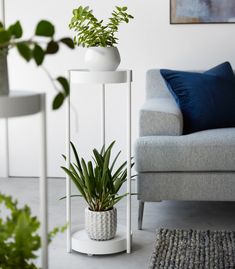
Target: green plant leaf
86,175
23,231
118,184
45,28
118,8
76,156
117,199
71,196
98,158
38,54
55,231
4,36
68,42
76,181
24,50
106,160
65,84
52,47
114,161
91,170
109,148
1,25
19,238
16,30
58,101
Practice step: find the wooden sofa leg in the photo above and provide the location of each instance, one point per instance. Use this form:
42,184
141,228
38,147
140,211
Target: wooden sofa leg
141,214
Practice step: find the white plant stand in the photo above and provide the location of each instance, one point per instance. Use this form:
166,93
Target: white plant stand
18,104
78,240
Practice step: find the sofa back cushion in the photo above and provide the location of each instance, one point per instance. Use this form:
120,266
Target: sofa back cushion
207,100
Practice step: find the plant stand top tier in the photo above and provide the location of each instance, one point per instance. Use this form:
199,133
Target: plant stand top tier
81,76
20,103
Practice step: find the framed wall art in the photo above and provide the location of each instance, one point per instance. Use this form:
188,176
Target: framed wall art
202,11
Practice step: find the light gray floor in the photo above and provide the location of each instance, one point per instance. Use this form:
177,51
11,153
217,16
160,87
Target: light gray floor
167,214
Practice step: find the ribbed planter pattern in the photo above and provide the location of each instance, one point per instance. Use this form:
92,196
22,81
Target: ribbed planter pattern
101,225
4,85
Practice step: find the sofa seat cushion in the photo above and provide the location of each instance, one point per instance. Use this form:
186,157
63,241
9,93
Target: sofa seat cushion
210,150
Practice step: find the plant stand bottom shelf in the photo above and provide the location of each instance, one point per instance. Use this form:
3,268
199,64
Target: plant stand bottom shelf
83,244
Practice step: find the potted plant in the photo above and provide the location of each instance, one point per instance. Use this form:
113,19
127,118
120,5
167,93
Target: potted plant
19,239
36,48
100,39
99,184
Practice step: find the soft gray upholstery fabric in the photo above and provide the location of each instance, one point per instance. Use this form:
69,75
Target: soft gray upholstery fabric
211,150
170,166
160,116
155,85
186,186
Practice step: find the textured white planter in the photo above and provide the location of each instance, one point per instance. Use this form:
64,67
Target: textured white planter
102,59
101,225
4,84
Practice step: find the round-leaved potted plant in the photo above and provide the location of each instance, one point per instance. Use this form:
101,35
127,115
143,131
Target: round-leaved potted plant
36,48
99,182
100,38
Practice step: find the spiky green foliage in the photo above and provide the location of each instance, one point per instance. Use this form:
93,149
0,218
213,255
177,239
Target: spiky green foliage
37,50
19,239
90,32
98,181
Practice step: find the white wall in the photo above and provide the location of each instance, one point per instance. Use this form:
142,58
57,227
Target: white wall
147,42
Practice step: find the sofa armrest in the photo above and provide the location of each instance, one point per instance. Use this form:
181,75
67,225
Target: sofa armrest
160,116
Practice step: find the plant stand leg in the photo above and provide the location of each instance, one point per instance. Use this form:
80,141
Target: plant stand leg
7,175
141,214
43,187
2,19
2,10
128,247
68,181
103,135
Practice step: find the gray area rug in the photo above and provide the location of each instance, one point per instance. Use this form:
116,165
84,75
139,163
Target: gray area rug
193,250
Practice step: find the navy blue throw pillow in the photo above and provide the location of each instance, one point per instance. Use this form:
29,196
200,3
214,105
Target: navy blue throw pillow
207,100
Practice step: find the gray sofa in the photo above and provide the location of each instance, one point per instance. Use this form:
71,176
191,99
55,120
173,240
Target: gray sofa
172,166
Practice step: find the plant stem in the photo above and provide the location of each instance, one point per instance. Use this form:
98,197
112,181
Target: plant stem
50,78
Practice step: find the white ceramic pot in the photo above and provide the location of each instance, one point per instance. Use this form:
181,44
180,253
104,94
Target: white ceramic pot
102,58
4,84
101,225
